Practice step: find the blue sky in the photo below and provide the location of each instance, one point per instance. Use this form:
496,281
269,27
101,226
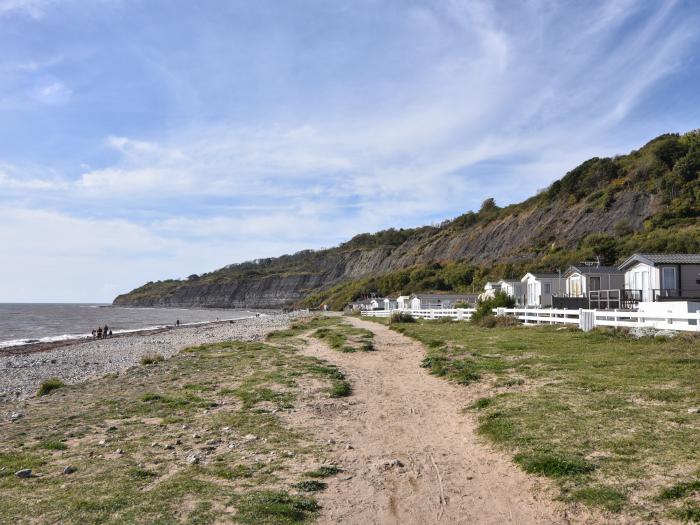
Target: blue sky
148,139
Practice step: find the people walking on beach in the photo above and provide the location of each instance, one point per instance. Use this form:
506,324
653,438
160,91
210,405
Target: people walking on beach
94,333
105,331
99,333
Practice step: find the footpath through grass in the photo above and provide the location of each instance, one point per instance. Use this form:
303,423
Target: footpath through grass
610,418
198,438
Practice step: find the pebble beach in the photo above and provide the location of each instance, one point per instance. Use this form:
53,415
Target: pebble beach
21,375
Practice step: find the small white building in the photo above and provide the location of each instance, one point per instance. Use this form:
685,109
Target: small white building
403,302
513,289
540,287
663,277
390,304
440,301
377,303
490,291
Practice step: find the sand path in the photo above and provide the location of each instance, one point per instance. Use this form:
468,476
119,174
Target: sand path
444,472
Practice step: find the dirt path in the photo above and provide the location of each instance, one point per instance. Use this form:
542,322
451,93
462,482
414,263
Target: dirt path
414,456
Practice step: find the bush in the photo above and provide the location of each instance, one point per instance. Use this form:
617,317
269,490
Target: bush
485,308
401,317
149,359
49,386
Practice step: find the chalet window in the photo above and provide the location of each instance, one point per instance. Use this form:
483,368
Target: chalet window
668,278
547,288
594,283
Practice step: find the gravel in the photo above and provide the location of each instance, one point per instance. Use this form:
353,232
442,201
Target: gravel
21,375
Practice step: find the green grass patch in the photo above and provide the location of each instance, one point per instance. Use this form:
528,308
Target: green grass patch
324,471
341,389
49,386
274,507
553,465
152,358
601,496
310,485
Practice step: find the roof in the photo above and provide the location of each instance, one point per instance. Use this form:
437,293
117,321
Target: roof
653,259
538,275
591,270
435,296
509,281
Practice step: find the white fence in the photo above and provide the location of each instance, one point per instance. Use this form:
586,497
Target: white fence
584,319
458,314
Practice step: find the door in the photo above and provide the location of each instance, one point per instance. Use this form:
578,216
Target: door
669,283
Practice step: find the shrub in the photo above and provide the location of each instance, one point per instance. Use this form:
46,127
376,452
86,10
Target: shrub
341,389
149,359
310,485
552,465
485,308
49,386
324,472
401,317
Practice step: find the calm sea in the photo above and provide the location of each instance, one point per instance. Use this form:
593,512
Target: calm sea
25,323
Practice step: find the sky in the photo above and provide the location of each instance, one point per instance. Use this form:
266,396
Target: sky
152,139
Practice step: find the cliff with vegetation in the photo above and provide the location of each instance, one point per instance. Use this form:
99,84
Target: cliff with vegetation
648,200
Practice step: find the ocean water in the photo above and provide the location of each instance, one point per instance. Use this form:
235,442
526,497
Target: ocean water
27,323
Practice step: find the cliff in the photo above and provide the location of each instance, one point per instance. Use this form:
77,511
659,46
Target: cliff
647,200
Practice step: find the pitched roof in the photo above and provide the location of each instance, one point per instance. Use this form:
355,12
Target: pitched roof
587,270
434,296
662,258
539,275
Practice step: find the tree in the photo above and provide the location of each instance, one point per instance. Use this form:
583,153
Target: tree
488,205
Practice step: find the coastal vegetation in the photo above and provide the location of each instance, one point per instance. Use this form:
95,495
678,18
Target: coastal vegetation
201,437
611,419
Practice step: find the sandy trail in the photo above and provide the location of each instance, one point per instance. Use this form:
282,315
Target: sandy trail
444,474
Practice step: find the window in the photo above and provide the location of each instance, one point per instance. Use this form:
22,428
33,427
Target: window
594,283
547,288
668,278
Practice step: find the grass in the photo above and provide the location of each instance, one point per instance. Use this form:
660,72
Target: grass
49,386
310,485
149,359
325,471
194,403
344,337
603,415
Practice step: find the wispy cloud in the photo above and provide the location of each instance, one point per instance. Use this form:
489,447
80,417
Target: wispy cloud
250,130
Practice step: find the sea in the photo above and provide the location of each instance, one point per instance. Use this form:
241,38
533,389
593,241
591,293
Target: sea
31,323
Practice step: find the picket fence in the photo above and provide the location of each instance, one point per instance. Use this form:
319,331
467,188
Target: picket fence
584,319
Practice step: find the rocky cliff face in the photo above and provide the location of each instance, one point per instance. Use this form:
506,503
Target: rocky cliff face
507,239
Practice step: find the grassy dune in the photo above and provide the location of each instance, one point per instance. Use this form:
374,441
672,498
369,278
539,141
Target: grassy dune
604,415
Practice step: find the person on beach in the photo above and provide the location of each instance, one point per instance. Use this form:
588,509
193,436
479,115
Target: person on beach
177,323
94,333
99,333
105,330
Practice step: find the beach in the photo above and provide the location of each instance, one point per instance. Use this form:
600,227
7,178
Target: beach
22,369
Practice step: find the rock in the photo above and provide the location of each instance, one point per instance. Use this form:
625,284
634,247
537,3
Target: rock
213,442
24,473
196,436
231,445
193,459
16,415
111,429
154,444
349,447
694,410
69,470
169,447
102,442
119,451
331,441
250,437
178,442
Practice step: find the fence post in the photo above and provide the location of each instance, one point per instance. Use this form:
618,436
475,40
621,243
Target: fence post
460,314
500,312
586,320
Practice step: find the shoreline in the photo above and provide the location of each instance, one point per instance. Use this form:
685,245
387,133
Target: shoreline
23,369
45,346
